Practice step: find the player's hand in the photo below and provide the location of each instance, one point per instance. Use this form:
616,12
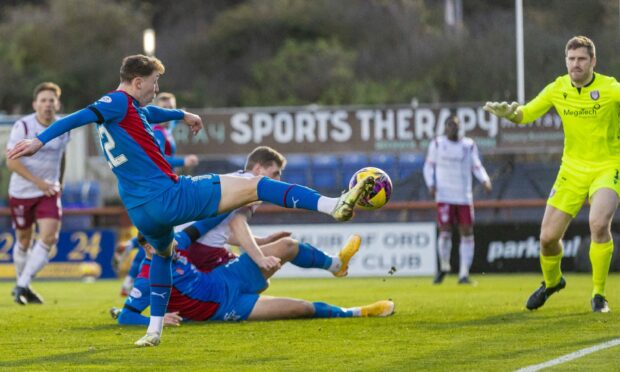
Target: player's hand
269,263
172,319
432,191
277,236
48,188
502,109
25,147
190,160
193,121
487,186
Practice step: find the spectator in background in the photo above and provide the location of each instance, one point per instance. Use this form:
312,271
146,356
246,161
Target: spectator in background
449,164
163,134
34,191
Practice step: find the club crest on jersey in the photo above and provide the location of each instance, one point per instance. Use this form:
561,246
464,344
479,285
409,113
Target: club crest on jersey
595,94
108,99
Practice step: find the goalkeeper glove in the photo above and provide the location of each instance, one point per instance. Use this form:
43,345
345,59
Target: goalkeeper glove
502,109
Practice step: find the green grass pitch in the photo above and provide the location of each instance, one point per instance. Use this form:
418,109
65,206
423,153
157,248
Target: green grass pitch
446,327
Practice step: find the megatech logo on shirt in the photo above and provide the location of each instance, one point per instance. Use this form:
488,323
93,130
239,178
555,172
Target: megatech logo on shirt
583,112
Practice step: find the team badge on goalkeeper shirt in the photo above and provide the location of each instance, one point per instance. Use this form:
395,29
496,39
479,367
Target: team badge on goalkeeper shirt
594,94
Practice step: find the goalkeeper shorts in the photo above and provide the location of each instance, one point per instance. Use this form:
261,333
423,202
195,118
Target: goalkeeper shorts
572,186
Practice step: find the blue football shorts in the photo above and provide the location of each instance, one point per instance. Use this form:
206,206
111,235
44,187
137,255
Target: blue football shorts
244,281
190,199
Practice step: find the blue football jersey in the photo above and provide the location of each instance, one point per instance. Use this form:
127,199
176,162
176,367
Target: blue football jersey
130,147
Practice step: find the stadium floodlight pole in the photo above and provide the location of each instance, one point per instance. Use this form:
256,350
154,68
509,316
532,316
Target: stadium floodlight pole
148,42
520,74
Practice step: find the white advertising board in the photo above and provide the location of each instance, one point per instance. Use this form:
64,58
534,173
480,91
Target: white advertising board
399,249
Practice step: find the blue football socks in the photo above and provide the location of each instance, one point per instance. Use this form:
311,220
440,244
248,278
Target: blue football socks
161,284
323,310
311,257
287,195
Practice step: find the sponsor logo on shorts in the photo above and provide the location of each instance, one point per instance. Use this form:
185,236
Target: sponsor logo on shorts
231,316
135,293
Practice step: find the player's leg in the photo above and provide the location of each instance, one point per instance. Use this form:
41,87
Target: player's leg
603,206
23,218
554,225
444,240
23,241
151,220
307,256
465,214
272,308
39,257
236,192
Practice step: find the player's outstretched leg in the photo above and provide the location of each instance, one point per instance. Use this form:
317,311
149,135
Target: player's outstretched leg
296,196
309,256
271,308
540,296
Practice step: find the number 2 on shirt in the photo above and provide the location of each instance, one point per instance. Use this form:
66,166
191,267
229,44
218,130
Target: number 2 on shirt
108,146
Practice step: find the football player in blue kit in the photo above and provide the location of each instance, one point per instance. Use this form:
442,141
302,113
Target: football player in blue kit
155,197
231,292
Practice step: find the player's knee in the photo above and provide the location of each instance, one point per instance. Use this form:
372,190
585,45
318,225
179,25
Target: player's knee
549,239
25,241
599,227
304,309
291,246
50,240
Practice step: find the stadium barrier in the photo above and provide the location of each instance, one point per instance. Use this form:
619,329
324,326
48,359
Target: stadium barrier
404,247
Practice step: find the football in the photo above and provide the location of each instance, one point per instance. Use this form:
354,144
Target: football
381,192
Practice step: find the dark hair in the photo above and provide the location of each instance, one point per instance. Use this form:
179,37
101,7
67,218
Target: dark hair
264,155
46,86
581,42
140,66
452,119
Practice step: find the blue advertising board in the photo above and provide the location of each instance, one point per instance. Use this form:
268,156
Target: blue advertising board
78,254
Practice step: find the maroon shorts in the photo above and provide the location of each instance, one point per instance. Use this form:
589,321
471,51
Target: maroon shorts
25,211
454,214
207,258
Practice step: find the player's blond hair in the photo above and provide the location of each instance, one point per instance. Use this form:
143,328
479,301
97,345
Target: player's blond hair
265,156
581,42
47,85
140,66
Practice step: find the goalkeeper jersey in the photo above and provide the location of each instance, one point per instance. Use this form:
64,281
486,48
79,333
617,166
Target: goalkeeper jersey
590,116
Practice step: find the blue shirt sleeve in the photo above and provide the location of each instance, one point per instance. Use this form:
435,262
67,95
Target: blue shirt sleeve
203,226
134,243
111,107
72,121
155,114
183,240
175,161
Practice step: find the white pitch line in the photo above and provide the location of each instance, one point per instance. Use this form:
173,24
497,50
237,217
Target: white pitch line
571,356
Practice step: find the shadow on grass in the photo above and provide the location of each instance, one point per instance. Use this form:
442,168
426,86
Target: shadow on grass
75,358
506,318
